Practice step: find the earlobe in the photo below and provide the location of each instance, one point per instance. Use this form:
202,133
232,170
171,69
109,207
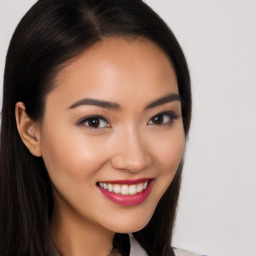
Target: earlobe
28,130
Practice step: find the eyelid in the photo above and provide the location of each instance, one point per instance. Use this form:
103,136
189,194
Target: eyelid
171,114
83,120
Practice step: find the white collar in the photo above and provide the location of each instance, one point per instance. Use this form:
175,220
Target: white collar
135,248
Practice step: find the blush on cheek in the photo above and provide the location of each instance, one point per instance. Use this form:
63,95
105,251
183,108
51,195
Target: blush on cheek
171,155
71,162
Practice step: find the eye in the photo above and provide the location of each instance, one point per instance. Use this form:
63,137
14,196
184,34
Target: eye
165,118
94,122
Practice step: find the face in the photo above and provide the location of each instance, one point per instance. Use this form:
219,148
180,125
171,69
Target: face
112,135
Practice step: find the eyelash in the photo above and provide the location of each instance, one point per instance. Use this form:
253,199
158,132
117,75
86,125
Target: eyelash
91,119
169,114
97,119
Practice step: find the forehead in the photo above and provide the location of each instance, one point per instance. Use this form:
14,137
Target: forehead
115,69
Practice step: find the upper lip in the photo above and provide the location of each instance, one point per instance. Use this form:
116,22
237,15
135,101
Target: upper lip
128,181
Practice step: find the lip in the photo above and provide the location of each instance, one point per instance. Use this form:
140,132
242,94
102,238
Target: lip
128,181
128,200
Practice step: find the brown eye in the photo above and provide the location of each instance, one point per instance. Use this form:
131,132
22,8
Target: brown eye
163,119
95,122
158,119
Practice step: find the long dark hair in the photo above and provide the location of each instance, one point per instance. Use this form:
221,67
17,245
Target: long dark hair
50,34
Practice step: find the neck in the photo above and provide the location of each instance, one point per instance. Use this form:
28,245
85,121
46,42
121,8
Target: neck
74,235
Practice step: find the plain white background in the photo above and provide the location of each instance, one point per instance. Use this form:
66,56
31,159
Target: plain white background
217,208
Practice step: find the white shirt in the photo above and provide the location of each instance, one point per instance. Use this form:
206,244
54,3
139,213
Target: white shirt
137,250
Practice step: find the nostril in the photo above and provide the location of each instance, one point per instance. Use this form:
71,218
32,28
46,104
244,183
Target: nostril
130,163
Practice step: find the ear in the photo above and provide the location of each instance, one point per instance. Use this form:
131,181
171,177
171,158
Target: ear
28,130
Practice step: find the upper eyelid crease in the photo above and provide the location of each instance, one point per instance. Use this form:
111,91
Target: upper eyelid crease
84,119
172,115
116,107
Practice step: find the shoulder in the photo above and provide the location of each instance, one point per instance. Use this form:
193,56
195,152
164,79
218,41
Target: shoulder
181,252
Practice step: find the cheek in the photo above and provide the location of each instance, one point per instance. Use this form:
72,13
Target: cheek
70,155
168,154
169,150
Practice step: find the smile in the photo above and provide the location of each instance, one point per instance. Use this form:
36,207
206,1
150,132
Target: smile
124,189
126,192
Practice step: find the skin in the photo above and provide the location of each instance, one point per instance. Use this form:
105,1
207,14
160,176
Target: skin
129,144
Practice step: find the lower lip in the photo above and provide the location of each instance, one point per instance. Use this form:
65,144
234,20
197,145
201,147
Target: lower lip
128,200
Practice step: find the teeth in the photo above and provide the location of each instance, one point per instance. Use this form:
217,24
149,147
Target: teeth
132,190
124,189
140,187
110,187
117,189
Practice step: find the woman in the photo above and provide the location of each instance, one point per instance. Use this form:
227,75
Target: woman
96,111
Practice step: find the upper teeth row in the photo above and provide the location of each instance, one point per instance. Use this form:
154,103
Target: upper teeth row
124,189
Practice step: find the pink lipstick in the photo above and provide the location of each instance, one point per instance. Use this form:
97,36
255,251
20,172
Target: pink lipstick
127,192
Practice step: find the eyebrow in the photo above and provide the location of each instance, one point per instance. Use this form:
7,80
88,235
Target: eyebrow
163,100
117,107
97,102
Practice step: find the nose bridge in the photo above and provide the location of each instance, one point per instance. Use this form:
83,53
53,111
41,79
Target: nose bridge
131,154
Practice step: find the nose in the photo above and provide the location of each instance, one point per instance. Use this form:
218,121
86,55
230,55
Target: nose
131,153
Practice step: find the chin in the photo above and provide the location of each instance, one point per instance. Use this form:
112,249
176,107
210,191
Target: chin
129,224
